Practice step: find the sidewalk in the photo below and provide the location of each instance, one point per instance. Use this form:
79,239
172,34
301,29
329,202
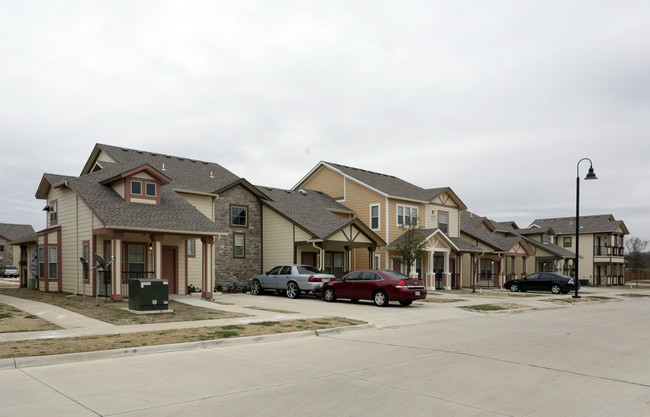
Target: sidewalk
276,308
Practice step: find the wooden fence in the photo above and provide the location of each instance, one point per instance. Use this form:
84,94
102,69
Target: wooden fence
633,276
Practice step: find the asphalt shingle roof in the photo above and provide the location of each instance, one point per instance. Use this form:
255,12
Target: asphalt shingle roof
388,184
603,223
173,213
310,209
16,232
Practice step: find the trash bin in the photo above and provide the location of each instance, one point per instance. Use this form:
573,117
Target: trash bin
148,294
31,283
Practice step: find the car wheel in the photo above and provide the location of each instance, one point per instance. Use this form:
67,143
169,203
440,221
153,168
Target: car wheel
406,302
329,294
380,298
556,289
514,287
293,291
256,288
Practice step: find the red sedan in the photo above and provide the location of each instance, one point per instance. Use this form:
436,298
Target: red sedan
378,286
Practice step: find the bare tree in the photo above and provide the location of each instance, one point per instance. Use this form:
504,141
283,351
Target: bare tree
636,259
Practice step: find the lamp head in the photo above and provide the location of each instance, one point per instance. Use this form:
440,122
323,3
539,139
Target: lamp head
591,175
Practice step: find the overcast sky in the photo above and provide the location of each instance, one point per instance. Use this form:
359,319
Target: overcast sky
498,100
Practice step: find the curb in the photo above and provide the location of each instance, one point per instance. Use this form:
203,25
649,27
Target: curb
31,361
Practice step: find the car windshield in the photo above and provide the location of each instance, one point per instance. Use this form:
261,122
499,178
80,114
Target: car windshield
307,269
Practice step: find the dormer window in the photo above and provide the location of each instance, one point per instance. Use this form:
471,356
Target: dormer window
143,189
136,187
150,189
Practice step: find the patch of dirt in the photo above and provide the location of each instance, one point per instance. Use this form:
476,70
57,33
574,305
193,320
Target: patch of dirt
583,299
14,320
114,312
134,340
495,307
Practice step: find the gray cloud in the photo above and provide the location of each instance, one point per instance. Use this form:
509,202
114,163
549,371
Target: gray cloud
497,100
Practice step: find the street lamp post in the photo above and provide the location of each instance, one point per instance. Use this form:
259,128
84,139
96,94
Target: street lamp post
590,176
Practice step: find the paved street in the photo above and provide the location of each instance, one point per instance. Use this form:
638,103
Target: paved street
587,360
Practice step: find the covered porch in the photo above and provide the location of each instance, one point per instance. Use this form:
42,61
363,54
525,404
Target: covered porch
184,260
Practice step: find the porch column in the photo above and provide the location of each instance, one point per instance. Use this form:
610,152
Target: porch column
207,278
116,267
447,279
514,266
430,280
157,256
525,267
459,265
371,255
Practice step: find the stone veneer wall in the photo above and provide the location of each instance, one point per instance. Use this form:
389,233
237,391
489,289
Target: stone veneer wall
8,253
232,274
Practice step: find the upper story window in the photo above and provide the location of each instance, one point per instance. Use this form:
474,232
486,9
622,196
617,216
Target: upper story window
545,238
374,217
443,221
407,215
54,212
239,216
567,241
143,189
136,187
150,189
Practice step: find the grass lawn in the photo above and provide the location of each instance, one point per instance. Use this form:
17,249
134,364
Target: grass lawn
114,313
44,347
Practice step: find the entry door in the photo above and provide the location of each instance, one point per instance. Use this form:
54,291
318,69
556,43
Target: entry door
170,269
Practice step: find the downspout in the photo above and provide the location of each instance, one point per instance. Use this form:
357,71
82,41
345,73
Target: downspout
321,257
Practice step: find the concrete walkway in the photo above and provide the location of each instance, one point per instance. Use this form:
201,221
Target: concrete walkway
272,307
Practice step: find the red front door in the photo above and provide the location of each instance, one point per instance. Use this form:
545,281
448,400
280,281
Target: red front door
170,268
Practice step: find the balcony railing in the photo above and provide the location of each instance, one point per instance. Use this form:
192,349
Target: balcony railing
609,251
608,280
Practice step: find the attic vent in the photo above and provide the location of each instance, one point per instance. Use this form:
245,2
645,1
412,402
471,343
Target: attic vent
153,154
287,191
211,174
303,192
163,168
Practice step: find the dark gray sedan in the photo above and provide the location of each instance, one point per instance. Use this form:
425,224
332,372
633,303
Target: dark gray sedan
542,281
292,279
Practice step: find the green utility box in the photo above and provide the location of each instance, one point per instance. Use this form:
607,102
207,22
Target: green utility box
148,294
31,283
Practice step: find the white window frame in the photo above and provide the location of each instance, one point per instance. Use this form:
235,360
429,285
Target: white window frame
404,209
440,212
378,217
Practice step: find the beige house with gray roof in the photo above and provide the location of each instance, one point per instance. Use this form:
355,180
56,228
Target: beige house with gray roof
310,227
159,216
385,203
602,251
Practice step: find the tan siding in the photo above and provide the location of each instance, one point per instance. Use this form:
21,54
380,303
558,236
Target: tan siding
103,157
327,181
194,265
118,187
201,202
277,239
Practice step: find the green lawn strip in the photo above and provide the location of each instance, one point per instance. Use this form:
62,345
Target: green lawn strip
633,295
41,347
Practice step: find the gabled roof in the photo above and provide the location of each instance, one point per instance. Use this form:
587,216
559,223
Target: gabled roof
603,223
314,212
174,214
470,225
186,174
386,185
16,232
552,248
457,244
